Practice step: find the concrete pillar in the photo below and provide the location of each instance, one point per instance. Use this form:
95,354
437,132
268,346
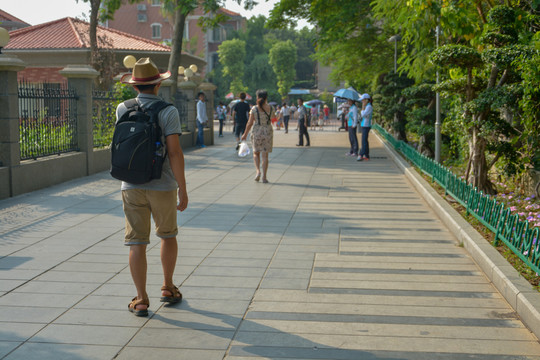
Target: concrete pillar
188,89
10,151
81,79
208,89
165,90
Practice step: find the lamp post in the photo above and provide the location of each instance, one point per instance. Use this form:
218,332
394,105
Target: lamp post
395,39
4,38
189,72
437,111
129,62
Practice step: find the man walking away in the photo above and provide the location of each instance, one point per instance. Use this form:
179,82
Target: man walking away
240,117
302,123
286,116
202,119
156,198
221,111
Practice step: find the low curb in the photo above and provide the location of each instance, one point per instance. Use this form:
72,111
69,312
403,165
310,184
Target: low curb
513,287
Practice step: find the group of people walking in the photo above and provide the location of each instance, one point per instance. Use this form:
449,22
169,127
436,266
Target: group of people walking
259,118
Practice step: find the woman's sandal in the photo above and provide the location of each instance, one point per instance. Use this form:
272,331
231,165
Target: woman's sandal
139,312
176,295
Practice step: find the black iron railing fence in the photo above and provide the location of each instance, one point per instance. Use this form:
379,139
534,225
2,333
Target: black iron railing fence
520,236
103,117
47,120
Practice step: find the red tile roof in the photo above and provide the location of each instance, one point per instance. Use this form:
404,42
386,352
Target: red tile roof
229,12
70,33
4,16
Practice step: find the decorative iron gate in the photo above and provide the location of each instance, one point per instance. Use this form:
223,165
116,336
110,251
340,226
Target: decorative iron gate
181,103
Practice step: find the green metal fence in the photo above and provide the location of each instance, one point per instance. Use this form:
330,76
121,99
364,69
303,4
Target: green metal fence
516,234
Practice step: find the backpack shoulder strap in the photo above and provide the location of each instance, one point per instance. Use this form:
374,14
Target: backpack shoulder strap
130,105
154,109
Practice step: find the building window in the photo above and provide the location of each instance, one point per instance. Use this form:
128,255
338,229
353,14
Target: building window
156,2
156,31
228,29
141,18
216,34
141,7
215,60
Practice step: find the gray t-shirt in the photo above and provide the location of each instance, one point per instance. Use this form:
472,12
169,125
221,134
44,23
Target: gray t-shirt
169,120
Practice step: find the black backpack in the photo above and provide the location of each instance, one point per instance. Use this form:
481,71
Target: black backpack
137,150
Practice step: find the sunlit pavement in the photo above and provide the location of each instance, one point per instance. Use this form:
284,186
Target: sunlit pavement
333,259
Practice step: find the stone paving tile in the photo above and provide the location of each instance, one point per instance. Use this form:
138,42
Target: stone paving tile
145,353
44,351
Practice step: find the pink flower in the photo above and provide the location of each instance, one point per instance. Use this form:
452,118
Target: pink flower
513,208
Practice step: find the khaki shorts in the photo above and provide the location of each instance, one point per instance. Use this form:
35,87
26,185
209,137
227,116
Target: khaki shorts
139,204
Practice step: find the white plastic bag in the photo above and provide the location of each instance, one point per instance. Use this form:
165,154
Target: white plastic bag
243,150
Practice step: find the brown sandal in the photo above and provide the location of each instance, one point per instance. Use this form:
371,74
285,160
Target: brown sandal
133,306
176,294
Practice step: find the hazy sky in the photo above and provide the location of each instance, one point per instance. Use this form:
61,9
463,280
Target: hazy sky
39,11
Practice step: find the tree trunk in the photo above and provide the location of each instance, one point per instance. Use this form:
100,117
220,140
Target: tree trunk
94,12
399,126
176,48
425,140
399,123
480,171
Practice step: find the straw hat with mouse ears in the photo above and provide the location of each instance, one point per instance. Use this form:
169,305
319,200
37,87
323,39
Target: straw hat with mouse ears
145,72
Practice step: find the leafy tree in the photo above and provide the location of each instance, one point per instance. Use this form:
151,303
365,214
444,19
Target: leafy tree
281,56
178,9
231,56
259,40
259,75
393,102
529,127
487,88
421,115
348,36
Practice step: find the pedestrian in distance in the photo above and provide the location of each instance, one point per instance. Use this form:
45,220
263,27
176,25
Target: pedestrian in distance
302,123
285,112
314,117
159,198
262,135
352,123
326,111
240,113
221,112
202,119
293,110
277,118
366,114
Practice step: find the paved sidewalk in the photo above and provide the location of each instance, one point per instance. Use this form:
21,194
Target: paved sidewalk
333,259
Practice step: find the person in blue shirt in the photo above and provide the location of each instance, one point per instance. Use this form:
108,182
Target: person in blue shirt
366,114
352,123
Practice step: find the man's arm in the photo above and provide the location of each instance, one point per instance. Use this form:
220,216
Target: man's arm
176,159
